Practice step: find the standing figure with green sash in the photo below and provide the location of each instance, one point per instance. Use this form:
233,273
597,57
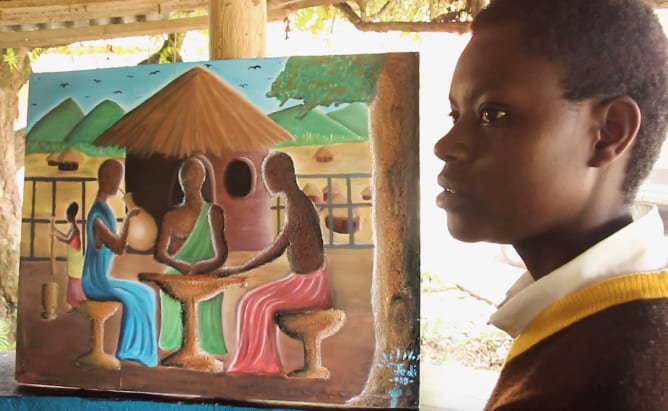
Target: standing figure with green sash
192,241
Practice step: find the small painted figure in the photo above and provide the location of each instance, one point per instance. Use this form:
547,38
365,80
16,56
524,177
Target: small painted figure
137,340
72,238
307,287
192,241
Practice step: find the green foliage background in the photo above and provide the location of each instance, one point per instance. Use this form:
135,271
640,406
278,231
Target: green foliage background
327,80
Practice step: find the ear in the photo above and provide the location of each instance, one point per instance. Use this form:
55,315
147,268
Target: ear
618,121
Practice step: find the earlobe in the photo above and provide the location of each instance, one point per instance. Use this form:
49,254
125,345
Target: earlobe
618,124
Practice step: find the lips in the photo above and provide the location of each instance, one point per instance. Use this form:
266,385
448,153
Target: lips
451,196
447,184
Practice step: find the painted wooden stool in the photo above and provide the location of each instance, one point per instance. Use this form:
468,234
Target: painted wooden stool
98,312
311,327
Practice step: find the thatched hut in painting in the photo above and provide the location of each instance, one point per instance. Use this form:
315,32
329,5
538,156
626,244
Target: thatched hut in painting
52,159
198,113
69,160
323,155
312,192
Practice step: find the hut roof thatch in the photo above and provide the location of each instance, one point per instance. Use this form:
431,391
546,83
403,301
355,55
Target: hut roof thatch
70,155
195,113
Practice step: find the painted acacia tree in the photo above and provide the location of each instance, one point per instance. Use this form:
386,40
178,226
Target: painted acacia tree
346,80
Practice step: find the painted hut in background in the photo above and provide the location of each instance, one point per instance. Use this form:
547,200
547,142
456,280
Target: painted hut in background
69,160
198,113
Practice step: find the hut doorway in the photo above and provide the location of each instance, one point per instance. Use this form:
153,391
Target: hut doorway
239,177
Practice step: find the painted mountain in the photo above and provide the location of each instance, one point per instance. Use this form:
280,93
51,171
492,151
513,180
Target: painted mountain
355,117
66,126
318,127
80,135
49,133
100,118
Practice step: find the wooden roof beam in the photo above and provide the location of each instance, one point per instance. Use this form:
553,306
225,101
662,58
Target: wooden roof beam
59,37
17,13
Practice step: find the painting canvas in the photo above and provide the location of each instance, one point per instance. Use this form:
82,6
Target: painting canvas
242,230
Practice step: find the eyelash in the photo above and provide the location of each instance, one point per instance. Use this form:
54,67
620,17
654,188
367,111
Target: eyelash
484,115
497,114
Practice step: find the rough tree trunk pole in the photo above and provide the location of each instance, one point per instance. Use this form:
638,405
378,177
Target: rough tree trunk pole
11,81
237,28
395,294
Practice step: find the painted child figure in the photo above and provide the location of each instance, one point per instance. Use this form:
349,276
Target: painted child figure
72,238
559,110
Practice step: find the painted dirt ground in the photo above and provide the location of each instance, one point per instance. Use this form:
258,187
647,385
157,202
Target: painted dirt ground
54,345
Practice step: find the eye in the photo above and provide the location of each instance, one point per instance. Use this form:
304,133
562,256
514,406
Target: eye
490,115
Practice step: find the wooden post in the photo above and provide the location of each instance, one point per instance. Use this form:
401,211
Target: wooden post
237,28
52,247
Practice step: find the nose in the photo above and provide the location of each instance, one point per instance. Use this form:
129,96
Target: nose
450,147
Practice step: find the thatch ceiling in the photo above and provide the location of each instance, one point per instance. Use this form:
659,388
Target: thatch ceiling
47,23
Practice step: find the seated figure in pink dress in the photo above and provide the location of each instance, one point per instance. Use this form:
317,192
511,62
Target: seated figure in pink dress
306,287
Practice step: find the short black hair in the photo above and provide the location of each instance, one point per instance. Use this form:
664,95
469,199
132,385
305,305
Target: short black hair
72,210
604,48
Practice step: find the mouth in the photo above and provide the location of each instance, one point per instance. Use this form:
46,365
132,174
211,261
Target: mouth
450,197
447,186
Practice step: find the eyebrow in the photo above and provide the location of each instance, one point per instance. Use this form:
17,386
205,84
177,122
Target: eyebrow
477,91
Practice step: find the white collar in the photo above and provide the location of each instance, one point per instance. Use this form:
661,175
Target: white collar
638,247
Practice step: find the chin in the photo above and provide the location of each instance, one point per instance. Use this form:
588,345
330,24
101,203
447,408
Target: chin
467,233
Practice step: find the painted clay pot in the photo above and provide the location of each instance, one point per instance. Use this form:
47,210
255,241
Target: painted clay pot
143,230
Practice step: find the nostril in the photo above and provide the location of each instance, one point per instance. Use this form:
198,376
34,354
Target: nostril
441,151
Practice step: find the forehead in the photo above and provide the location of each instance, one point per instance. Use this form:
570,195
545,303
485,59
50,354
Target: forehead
497,57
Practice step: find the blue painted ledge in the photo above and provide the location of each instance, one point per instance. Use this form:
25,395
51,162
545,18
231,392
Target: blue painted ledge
17,398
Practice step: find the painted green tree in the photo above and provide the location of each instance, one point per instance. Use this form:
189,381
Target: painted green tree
327,80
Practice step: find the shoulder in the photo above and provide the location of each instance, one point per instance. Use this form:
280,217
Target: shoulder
98,210
615,359
619,330
215,209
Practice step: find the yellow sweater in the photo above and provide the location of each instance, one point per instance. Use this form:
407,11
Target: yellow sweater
604,347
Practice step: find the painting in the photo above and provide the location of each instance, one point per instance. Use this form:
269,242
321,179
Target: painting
242,230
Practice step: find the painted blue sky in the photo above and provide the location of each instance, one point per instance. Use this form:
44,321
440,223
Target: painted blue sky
130,86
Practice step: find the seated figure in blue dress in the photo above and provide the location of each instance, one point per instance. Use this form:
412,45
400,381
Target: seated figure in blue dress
137,340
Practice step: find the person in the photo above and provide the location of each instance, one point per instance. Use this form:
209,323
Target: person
72,239
559,110
192,241
137,339
306,287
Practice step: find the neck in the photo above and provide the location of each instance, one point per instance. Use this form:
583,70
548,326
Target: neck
101,196
193,198
546,253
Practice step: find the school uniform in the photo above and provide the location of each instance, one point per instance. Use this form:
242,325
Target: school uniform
593,334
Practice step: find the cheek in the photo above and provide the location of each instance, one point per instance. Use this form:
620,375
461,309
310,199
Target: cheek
542,196
516,193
